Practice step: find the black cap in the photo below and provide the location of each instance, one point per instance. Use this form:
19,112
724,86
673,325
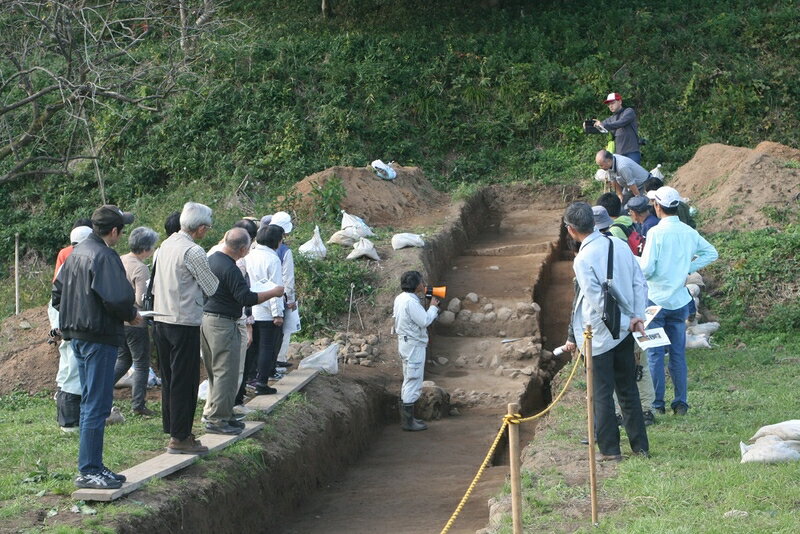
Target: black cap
110,216
639,204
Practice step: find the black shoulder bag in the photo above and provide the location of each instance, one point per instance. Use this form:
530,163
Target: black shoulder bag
611,313
147,298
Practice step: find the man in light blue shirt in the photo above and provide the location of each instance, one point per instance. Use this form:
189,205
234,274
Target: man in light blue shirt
673,250
612,353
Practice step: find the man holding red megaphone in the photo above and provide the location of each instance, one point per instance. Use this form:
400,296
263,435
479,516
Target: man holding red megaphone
411,322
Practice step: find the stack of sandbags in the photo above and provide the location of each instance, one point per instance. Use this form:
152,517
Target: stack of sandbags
773,443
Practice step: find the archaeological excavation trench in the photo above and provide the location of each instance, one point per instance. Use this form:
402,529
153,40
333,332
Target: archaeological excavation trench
342,464
511,257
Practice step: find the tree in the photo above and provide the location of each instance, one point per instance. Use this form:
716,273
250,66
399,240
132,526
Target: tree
62,60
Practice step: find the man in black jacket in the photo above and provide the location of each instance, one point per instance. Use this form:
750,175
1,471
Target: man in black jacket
94,299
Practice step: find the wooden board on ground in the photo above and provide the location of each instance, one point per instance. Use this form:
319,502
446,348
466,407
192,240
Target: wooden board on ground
166,464
290,383
163,465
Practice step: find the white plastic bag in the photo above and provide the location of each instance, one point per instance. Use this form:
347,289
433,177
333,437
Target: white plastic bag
202,391
364,247
769,449
346,237
656,173
314,248
787,430
602,175
291,321
383,170
325,360
361,227
407,240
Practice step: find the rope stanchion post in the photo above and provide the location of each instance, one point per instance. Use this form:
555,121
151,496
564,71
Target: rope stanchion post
587,351
516,482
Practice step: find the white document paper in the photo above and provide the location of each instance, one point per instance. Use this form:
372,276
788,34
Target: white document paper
649,314
262,285
150,314
655,337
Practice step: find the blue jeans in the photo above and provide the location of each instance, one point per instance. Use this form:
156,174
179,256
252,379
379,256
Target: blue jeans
96,368
674,324
635,156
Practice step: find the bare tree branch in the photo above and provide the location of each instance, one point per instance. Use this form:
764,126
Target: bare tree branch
61,60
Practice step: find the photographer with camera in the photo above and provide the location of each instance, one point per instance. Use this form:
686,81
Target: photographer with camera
624,126
411,322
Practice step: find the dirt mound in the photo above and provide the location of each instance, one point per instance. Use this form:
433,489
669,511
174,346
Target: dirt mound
738,187
377,201
27,362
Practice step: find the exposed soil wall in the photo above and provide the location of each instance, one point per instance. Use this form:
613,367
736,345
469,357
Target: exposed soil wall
304,445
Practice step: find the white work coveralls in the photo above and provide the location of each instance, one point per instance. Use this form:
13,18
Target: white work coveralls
411,326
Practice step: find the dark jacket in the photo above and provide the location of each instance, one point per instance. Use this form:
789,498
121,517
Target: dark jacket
93,295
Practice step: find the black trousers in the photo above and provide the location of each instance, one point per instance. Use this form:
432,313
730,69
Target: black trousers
268,338
179,361
616,369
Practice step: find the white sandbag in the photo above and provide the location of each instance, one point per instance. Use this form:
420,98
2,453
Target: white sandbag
383,170
364,248
325,360
202,391
770,449
407,240
703,329
152,379
787,430
346,237
314,248
656,173
361,227
602,175
695,278
697,342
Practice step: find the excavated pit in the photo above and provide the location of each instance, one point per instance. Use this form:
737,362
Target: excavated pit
340,463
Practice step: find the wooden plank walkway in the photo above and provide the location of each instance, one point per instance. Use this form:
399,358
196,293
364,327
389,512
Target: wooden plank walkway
166,464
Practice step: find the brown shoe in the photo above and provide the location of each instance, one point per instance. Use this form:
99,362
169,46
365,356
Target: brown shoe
144,412
186,446
609,458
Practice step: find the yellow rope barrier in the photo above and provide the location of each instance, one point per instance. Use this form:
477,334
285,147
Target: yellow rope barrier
508,419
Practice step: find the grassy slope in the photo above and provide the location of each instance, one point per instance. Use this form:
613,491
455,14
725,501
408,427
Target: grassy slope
694,475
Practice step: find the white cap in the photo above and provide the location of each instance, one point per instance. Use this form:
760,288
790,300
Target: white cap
282,219
666,196
79,234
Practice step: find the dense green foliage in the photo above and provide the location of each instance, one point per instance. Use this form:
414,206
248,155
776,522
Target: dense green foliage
470,93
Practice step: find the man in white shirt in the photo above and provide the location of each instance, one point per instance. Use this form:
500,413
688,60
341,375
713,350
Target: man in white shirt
411,322
264,269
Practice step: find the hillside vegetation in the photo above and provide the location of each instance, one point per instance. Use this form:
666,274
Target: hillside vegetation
468,92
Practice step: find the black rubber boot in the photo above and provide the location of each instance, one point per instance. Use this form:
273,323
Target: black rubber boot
407,419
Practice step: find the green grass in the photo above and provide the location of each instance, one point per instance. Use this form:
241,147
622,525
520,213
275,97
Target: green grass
694,475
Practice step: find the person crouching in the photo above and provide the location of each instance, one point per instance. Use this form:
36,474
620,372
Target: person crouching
411,322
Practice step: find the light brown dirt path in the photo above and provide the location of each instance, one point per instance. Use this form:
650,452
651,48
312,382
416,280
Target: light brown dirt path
411,482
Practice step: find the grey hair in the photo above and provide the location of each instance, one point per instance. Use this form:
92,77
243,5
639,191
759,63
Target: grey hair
579,215
237,238
194,216
142,239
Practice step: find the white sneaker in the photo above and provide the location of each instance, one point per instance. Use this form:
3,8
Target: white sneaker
241,409
70,429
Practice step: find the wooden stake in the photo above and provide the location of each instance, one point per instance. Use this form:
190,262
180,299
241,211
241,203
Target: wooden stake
590,418
516,482
16,273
